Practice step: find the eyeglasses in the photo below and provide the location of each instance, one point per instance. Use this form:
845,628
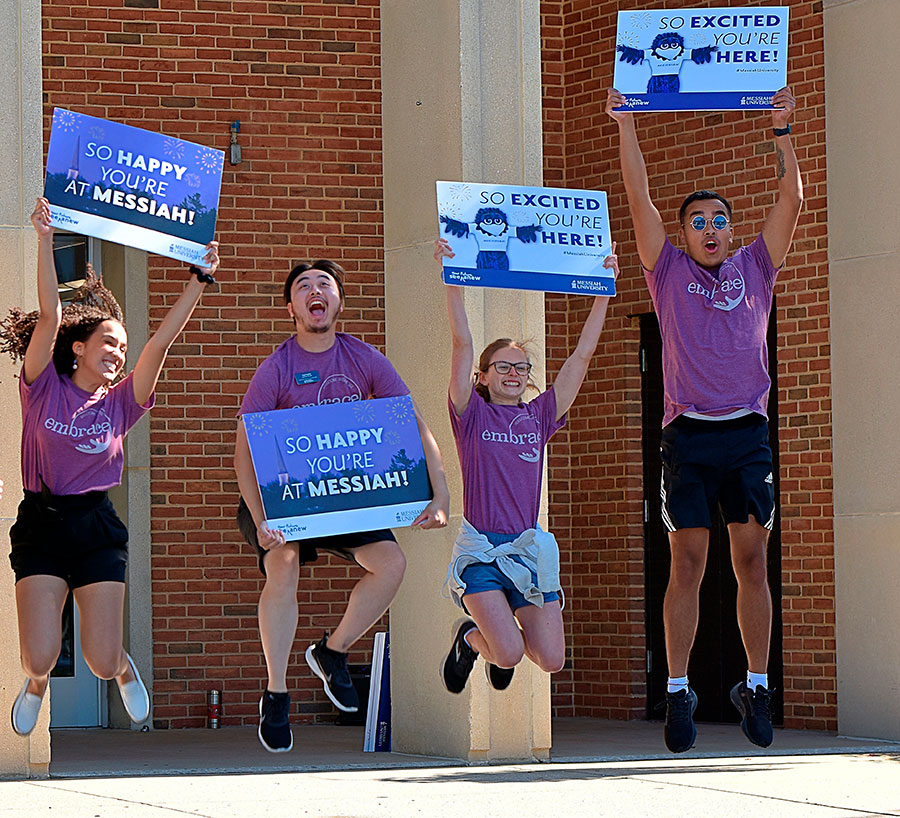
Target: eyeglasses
503,367
718,221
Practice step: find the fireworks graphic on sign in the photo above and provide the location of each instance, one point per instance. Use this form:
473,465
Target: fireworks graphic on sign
173,148
290,425
97,132
641,20
363,412
257,424
400,411
393,437
696,40
192,179
66,121
457,198
209,160
460,193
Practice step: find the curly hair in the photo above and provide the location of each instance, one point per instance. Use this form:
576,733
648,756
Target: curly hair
93,304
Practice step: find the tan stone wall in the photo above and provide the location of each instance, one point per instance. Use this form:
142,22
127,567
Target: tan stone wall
20,182
864,242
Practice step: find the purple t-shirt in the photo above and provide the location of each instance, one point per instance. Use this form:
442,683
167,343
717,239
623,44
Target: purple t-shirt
501,452
72,438
714,354
350,370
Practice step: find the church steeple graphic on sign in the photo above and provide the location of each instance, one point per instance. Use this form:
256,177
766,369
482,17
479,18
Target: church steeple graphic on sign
282,468
73,166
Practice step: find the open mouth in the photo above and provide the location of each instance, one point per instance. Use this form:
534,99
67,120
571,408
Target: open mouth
317,307
110,366
711,245
512,384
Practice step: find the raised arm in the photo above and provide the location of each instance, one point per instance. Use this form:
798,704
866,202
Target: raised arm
781,221
571,376
462,355
436,513
153,355
649,231
40,347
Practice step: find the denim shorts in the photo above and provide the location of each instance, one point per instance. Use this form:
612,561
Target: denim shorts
486,576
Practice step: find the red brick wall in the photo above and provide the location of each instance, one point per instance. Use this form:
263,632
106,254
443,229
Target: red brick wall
304,81
596,483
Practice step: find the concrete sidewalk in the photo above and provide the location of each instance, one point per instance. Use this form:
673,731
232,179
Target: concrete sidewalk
598,768
106,753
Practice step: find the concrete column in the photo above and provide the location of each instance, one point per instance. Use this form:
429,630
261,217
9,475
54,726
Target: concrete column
461,101
21,173
862,114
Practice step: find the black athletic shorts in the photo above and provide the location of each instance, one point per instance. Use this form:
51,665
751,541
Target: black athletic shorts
78,537
341,545
716,463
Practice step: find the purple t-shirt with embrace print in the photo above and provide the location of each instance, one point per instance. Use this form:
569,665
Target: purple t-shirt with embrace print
350,370
72,438
714,354
501,452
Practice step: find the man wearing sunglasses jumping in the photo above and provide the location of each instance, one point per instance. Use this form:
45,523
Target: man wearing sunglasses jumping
713,307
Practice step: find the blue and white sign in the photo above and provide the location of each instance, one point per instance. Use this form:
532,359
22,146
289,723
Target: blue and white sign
704,59
339,468
132,186
526,238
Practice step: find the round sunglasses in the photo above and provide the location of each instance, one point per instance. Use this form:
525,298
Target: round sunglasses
719,222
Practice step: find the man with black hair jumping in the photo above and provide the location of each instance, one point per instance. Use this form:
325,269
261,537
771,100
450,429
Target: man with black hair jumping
713,306
319,365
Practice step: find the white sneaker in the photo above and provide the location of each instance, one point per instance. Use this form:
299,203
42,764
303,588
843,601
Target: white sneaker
134,696
25,710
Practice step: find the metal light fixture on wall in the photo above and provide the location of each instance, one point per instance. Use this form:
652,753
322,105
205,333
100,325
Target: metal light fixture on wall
235,155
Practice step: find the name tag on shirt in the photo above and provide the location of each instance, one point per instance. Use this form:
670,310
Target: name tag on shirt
303,378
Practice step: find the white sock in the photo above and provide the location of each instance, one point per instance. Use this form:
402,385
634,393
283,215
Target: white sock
755,680
466,638
677,683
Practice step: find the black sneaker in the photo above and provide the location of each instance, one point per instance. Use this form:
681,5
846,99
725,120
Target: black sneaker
331,667
459,661
680,731
499,677
754,707
274,728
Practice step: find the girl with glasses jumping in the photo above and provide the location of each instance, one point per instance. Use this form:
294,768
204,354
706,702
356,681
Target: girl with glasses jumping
504,571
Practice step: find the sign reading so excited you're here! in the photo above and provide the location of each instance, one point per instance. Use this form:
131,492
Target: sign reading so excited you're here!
340,467
526,238
701,59
132,186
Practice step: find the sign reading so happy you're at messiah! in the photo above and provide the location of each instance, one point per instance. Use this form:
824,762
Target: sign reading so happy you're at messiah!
131,186
340,467
701,59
